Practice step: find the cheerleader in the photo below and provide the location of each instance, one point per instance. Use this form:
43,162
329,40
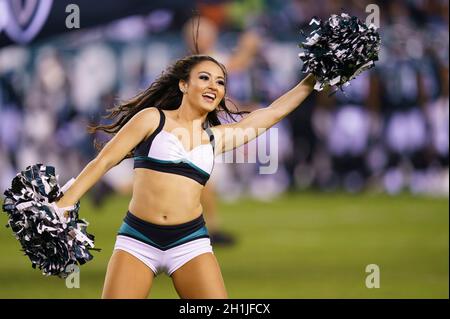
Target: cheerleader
173,132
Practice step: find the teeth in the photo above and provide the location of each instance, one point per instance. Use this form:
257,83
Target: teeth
213,96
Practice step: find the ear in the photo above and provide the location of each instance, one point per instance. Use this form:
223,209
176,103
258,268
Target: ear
183,86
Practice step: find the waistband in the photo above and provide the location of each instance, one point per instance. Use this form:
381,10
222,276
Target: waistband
163,236
134,220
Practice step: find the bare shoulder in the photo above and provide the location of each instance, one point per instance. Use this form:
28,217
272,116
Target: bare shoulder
147,118
150,113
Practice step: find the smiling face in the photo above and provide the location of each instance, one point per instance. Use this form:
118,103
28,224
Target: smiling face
205,87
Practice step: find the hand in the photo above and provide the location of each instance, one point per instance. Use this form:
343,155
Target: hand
61,210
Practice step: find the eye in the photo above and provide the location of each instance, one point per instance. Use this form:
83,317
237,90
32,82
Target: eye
204,77
221,82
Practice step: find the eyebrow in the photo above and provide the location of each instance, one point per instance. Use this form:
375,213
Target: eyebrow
211,74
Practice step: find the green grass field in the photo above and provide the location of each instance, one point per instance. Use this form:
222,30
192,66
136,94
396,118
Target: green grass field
304,245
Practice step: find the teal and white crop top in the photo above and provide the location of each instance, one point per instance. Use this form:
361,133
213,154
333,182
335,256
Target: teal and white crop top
163,151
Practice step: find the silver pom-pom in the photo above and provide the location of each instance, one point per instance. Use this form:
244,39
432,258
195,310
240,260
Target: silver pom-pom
53,238
339,50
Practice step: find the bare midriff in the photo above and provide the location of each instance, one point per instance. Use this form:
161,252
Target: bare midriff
164,198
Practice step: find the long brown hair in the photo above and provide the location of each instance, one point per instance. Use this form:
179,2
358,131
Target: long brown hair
164,93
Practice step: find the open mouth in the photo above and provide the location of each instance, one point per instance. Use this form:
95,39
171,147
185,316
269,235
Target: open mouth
209,97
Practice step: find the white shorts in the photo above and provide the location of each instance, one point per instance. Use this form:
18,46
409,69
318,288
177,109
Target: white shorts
163,248
163,260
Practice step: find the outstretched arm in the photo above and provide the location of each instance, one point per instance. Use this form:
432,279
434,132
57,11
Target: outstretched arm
140,126
230,136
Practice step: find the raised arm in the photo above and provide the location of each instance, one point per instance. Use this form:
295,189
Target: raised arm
139,127
230,136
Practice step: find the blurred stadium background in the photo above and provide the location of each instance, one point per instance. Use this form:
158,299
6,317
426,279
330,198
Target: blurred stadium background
363,175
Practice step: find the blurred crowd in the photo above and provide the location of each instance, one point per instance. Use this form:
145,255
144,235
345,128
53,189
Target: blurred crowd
387,132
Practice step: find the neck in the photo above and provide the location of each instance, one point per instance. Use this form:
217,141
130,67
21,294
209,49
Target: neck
187,115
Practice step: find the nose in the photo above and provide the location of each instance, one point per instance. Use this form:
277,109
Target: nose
213,85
